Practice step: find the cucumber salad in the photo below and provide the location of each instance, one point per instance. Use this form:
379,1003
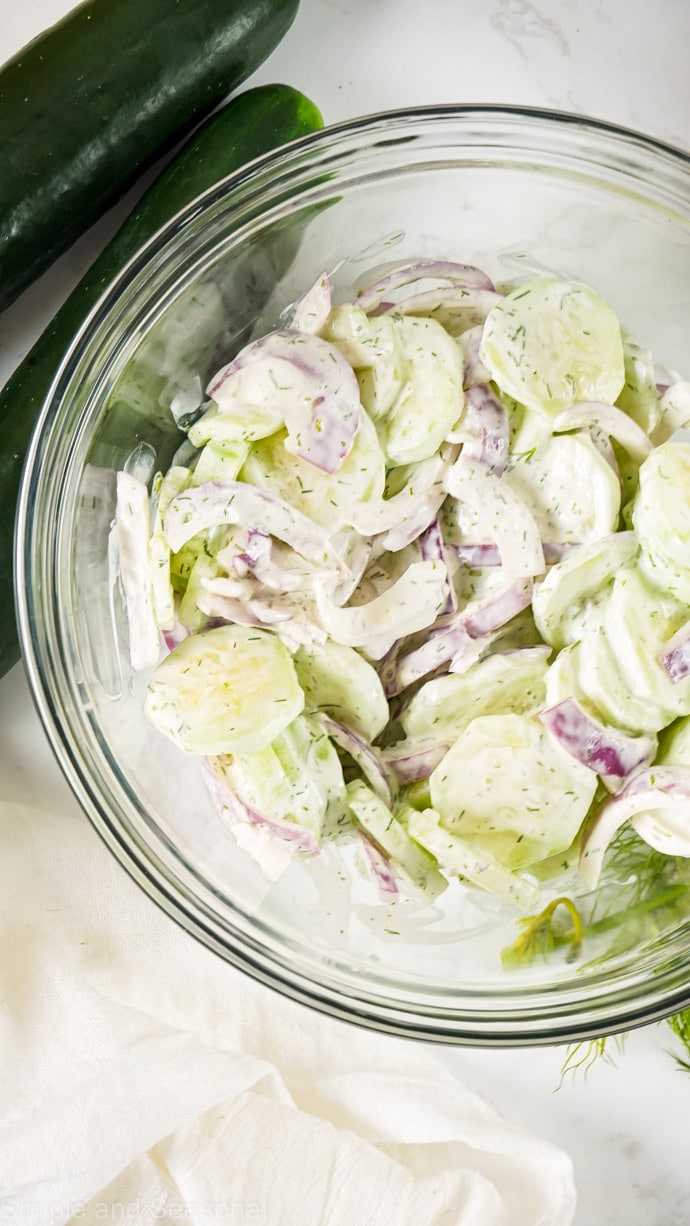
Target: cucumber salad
419,579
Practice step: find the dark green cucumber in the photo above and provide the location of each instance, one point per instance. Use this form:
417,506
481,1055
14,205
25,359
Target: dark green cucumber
90,103
251,124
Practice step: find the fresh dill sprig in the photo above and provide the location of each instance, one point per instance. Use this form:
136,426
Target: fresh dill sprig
581,1057
680,1025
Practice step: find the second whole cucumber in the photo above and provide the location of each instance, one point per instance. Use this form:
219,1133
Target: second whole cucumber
252,123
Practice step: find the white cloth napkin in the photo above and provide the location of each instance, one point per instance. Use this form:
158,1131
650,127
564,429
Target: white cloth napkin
142,1080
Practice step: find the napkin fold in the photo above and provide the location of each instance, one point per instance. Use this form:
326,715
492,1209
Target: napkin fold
143,1080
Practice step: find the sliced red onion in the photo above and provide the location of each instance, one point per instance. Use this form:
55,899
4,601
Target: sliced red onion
362,753
555,551
409,765
410,604
604,446
312,310
604,749
675,659
379,865
463,275
516,532
235,502
487,433
462,639
133,530
673,780
478,556
310,382
638,806
172,638
432,545
230,806
474,369
455,308
439,649
411,510
610,420
675,410
483,616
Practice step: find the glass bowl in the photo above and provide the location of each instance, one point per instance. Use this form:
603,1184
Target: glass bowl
513,191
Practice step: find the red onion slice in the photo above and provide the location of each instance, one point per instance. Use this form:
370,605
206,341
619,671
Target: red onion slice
432,545
235,502
610,753
410,765
463,275
456,309
593,414
629,806
462,638
362,753
379,866
485,428
493,501
675,659
496,610
230,806
309,381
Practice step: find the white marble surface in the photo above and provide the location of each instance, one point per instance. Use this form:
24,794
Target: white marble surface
621,60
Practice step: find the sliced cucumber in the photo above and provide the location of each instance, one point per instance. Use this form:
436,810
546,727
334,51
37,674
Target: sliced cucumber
410,861
432,398
551,343
382,379
167,487
557,599
661,517
324,497
229,690
445,707
220,461
571,491
458,858
509,785
339,680
639,620
639,397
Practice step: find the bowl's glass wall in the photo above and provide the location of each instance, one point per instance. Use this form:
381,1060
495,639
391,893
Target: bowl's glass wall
514,193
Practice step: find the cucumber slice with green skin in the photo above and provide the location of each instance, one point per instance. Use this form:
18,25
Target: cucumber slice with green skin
572,493
558,598
674,744
410,861
311,763
458,858
191,616
432,398
220,461
325,498
339,680
639,397
444,707
252,123
639,621
605,688
551,343
169,486
661,517
348,328
229,690
382,379
509,786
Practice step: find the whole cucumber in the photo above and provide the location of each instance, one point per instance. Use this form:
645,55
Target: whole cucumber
91,102
251,124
